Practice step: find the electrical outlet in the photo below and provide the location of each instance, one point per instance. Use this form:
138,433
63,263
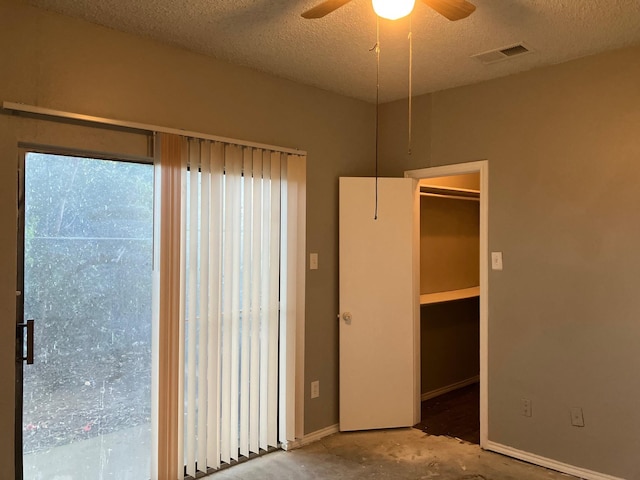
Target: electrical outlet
315,389
577,418
526,407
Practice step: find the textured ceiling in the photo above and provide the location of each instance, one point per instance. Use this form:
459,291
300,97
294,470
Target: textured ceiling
333,53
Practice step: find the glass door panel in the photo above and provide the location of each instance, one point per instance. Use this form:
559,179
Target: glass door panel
87,260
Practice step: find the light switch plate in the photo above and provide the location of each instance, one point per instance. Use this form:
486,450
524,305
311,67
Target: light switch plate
496,260
313,261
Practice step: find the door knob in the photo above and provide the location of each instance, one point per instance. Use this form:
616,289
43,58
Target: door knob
346,316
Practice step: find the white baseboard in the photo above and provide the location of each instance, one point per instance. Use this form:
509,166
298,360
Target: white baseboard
311,437
449,388
547,462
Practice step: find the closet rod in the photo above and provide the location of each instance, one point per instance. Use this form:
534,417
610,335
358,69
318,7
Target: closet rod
455,197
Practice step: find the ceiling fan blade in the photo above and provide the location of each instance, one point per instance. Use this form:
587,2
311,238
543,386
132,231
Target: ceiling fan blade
324,8
452,9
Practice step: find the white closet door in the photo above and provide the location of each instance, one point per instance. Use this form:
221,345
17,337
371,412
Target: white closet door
379,295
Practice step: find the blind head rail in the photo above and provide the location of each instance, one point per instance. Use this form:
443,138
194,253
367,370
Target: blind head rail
21,108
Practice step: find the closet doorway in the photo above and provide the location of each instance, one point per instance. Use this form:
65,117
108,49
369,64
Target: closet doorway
453,300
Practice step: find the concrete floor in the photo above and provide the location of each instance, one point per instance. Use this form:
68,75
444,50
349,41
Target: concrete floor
385,455
123,455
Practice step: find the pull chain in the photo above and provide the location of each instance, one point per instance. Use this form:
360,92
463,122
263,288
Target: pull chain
377,51
410,81
410,120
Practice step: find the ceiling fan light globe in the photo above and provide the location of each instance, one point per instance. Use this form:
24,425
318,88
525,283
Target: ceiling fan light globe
393,9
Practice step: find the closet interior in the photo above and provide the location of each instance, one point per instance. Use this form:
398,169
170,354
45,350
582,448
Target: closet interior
450,305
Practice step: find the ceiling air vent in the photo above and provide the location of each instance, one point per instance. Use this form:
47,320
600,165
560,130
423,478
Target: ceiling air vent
503,53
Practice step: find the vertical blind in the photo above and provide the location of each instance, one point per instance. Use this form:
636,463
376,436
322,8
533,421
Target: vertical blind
240,249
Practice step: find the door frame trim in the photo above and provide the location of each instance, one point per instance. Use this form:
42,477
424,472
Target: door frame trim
19,365
481,167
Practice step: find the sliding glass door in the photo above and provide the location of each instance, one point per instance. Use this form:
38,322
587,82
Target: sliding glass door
86,281
230,290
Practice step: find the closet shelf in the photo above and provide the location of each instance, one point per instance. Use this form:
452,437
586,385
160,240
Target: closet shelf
448,296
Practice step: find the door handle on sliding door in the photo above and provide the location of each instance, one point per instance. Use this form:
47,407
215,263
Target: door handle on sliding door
21,327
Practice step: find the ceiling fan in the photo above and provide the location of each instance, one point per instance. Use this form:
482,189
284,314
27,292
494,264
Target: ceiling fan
451,9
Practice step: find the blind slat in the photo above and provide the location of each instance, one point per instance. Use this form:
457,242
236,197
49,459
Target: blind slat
288,192
264,302
215,276
245,314
225,357
254,402
203,319
234,180
274,275
182,314
192,303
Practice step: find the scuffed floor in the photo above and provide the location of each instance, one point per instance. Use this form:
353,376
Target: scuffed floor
385,455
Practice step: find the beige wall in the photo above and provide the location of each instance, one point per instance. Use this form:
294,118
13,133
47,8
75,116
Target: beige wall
563,145
449,244
57,62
